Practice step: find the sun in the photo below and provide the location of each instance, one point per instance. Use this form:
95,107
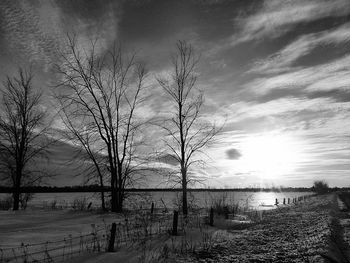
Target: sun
270,155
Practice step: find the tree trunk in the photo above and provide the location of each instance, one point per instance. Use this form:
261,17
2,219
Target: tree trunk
119,202
184,193
114,197
184,201
103,205
17,191
16,195
120,189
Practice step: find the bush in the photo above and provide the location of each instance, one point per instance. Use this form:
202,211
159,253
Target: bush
321,187
222,205
81,204
6,203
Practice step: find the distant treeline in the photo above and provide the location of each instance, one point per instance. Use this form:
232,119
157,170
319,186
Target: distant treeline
96,188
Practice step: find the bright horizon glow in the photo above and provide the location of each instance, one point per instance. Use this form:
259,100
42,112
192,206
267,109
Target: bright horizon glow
270,156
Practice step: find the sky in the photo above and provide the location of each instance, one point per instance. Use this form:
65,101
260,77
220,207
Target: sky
276,72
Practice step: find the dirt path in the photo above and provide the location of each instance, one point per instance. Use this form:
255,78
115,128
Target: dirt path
343,200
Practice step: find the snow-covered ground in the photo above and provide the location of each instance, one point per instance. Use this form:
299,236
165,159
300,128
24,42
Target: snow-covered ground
32,226
295,233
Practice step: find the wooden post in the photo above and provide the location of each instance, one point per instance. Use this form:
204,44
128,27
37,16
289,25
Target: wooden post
175,220
284,201
276,203
112,238
211,217
288,200
152,208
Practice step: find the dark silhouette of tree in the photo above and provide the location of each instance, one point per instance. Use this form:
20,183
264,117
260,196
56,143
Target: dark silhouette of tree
23,133
100,97
187,133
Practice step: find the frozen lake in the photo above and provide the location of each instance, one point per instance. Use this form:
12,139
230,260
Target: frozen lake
170,199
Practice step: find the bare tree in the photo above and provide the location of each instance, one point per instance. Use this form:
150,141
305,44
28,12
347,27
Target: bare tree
101,95
187,133
23,135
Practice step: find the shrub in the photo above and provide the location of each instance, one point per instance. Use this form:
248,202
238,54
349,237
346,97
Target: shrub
191,202
222,205
6,202
80,204
321,187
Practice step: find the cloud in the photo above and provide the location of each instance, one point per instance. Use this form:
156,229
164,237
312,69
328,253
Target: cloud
276,17
334,75
35,31
284,59
168,159
233,154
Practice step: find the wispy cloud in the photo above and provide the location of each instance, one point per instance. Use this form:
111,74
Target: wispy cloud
34,32
283,60
328,76
277,17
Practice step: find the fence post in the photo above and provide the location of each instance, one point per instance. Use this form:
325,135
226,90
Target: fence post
211,217
284,201
112,238
288,200
276,203
152,208
175,220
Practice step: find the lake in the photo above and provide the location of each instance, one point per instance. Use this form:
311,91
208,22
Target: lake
171,200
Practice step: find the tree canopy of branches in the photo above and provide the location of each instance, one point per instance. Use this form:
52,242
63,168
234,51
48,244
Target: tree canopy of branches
23,135
100,97
187,133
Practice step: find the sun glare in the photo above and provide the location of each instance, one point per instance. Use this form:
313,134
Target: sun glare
270,155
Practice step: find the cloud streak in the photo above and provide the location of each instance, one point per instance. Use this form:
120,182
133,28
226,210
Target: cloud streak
283,60
275,17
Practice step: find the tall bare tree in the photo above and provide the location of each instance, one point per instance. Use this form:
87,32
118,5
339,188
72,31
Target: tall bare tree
187,133
100,97
22,133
